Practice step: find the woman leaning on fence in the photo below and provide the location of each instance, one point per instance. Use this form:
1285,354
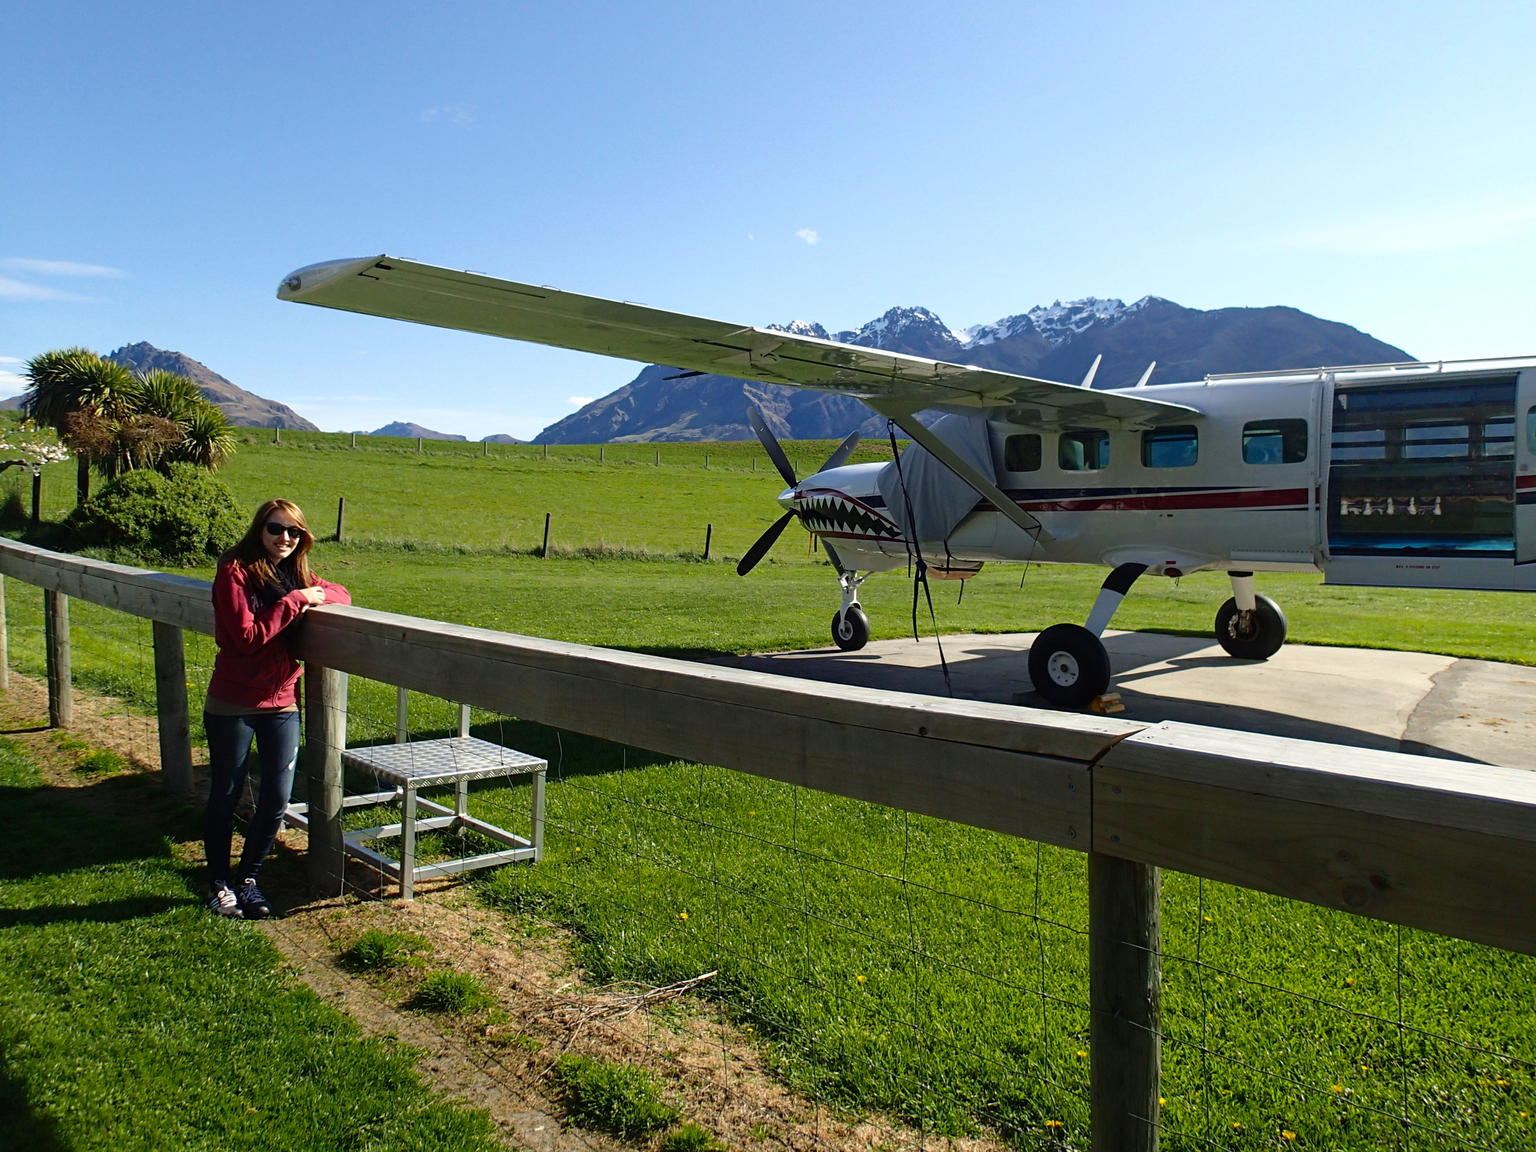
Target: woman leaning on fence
264,585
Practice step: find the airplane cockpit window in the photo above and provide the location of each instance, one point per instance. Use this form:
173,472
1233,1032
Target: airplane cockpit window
1021,453
1530,430
1274,441
1085,450
1173,447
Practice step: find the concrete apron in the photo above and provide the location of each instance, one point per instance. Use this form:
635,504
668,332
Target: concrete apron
1401,701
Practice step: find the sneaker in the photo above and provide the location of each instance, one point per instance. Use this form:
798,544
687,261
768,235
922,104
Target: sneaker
222,902
252,903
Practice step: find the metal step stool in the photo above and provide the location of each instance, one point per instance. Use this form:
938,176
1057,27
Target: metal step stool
454,760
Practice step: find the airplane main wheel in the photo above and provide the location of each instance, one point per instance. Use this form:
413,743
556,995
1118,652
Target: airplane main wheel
850,629
1068,665
1255,635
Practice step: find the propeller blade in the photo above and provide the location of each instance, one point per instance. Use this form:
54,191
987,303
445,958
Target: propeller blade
763,543
840,456
771,446
837,561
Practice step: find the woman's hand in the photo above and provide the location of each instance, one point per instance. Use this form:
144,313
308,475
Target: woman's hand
312,596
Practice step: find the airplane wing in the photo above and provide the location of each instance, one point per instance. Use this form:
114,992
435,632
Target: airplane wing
890,382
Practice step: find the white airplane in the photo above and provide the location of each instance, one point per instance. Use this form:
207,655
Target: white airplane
1406,475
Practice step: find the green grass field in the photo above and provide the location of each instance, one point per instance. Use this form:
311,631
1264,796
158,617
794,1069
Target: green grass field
132,1019
887,961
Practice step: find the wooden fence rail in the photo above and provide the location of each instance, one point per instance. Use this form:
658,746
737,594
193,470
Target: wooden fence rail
1435,844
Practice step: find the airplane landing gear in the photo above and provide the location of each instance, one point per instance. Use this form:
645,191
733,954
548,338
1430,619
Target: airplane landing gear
1069,665
850,628
1068,662
1253,635
1248,626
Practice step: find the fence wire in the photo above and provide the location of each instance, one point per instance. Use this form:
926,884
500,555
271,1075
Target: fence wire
815,972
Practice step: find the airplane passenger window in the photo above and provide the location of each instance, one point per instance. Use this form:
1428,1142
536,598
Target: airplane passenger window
1530,430
1022,453
1436,442
1174,447
1498,437
1086,450
1274,441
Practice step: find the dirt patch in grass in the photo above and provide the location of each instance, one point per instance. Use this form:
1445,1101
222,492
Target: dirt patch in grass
498,1058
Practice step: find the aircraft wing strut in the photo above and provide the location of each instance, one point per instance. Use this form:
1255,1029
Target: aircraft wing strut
890,381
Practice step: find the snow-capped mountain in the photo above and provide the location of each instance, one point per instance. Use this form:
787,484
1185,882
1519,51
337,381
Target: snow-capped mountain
1056,342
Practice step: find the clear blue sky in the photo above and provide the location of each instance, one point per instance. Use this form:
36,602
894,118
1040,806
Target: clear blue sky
166,164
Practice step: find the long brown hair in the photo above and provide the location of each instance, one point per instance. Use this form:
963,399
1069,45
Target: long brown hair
251,553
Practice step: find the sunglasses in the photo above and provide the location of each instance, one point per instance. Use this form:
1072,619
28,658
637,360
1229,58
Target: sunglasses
276,529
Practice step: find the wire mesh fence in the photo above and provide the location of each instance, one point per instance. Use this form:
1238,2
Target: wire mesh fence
816,971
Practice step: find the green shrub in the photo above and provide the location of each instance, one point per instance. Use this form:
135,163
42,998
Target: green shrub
623,1099
691,1138
449,992
375,950
182,516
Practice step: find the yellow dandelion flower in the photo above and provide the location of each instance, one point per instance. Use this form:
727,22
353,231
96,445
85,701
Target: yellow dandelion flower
1237,1125
1209,920
1338,1088
860,978
1349,981
1287,1134
1055,1124
1081,1053
1502,1083
1162,1101
682,915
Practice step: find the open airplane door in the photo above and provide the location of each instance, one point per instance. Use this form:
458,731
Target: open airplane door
1525,467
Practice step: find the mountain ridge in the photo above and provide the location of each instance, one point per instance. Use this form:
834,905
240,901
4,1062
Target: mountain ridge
1054,342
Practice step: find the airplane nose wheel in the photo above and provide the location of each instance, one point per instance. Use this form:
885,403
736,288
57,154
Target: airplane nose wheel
850,629
1254,635
1068,665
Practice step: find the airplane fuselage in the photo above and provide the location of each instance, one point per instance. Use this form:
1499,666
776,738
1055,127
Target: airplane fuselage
1420,475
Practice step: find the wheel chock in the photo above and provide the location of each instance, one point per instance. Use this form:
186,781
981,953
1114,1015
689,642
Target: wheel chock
1107,704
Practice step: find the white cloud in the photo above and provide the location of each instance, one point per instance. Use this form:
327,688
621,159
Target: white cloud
13,289
12,383
1442,230
59,268
809,235
447,114
579,401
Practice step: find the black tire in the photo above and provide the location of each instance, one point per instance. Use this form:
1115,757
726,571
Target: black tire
1068,665
1258,637
850,629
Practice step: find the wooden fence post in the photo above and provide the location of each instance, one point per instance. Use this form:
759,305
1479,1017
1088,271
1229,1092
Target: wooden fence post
1125,1003
544,550
5,643
37,497
709,531
325,717
173,716
341,512
56,642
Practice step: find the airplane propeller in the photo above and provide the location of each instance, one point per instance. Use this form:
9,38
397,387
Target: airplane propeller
771,446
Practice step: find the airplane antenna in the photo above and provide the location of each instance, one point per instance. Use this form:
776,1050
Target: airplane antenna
1147,375
1093,370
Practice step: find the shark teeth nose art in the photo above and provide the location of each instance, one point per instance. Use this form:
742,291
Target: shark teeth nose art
833,512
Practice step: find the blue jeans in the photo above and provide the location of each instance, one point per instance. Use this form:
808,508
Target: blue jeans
229,748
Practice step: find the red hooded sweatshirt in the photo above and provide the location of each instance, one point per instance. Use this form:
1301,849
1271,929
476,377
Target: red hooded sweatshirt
255,667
